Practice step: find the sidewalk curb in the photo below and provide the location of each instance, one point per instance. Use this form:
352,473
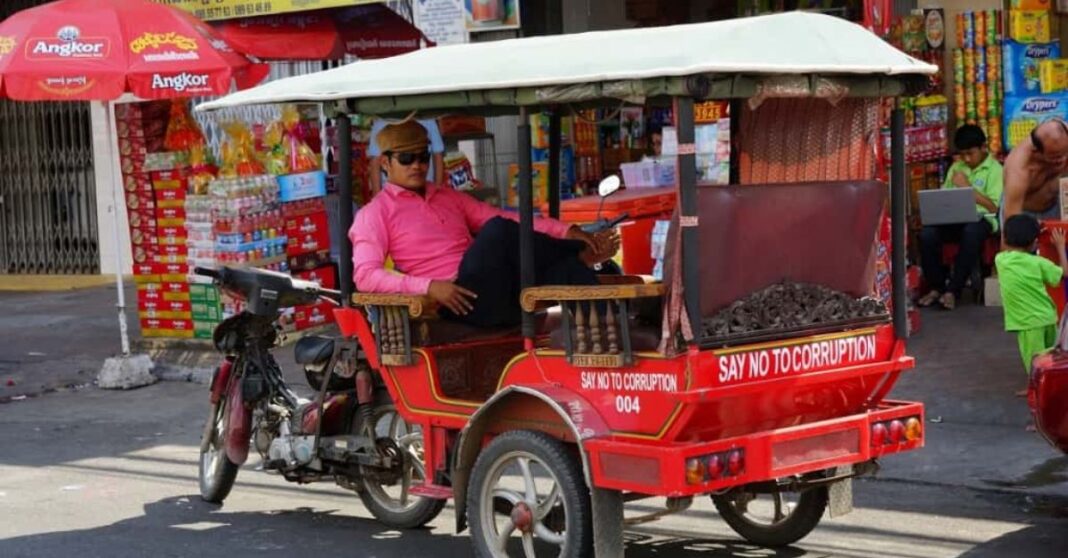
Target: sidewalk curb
172,373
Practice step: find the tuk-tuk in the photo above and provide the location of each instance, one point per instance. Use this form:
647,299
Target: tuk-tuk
756,372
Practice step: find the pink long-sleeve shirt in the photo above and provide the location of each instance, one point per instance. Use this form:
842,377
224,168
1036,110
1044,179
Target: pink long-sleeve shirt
426,237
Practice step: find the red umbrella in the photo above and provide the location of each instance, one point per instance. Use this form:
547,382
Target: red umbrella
100,49
371,31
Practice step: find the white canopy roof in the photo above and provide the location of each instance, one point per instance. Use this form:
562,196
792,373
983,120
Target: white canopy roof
784,44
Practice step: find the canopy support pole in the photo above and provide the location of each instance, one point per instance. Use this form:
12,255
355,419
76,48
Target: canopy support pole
735,113
897,221
526,217
686,171
116,178
555,141
344,191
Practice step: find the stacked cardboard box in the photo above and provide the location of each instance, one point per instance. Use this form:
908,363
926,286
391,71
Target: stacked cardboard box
206,309
1031,75
308,249
155,186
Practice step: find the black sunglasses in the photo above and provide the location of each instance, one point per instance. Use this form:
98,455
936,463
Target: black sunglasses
1037,143
408,158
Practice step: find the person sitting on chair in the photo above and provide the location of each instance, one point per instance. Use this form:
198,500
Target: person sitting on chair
978,170
461,252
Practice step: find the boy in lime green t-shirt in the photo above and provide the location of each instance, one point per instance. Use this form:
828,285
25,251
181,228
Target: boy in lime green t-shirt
1023,277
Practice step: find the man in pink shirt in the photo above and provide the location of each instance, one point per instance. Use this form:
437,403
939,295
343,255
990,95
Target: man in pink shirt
461,252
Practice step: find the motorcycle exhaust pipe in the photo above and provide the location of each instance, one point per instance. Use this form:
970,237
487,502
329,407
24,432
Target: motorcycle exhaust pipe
209,429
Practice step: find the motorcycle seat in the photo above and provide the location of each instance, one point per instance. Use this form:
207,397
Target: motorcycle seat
314,349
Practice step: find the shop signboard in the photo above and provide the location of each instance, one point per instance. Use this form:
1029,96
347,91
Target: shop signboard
442,21
210,10
492,15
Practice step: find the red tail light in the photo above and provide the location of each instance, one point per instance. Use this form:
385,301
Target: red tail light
715,466
897,432
735,462
878,434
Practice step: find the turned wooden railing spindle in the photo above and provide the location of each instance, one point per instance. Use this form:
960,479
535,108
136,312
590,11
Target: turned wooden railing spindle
580,328
610,326
595,329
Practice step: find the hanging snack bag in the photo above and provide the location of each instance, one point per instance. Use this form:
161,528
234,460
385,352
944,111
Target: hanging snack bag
182,131
299,157
239,155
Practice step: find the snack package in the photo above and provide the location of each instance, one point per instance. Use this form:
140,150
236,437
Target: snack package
299,156
1019,65
182,131
1031,26
1022,114
238,152
202,170
1053,75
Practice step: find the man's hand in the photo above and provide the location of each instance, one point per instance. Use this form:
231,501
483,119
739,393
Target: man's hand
960,180
1058,239
598,243
452,296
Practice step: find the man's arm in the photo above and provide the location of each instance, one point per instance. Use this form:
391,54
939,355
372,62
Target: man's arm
476,213
1015,187
370,245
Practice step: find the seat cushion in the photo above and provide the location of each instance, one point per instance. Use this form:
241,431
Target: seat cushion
314,349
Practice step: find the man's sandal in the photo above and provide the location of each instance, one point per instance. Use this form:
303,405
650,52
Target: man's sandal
929,299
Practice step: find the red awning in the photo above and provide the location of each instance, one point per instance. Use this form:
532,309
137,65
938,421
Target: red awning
371,31
311,36
375,31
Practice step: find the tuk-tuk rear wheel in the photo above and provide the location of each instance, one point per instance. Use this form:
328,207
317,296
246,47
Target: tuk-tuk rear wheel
528,497
788,524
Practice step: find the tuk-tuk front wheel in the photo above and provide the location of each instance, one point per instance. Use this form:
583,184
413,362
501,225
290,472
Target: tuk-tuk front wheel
773,519
528,497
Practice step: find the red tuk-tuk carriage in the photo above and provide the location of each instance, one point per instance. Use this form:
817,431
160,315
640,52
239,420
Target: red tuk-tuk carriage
758,369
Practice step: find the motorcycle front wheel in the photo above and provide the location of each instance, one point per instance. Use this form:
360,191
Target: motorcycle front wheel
388,495
217,473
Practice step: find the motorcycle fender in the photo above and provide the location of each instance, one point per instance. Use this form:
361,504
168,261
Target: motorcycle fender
220,380
238,427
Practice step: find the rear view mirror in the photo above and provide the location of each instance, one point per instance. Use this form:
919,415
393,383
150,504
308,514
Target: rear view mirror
608,186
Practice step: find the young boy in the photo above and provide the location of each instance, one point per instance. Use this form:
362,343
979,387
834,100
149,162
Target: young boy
1029,310
977,169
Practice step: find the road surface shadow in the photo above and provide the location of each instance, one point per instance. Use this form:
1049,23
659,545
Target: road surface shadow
186,526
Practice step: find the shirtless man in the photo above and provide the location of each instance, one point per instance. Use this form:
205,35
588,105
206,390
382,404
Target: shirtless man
1033,170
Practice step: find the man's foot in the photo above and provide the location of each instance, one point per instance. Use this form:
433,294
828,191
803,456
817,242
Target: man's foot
1031,427
929,299
948,301
1021,393
607,247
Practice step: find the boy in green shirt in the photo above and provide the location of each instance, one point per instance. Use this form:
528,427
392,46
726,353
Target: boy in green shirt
1023,277
978,170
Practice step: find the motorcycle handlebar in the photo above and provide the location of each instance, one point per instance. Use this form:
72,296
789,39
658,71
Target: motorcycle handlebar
207,272
603,225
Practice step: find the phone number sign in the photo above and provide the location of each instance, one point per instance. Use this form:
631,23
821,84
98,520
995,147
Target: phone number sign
209,10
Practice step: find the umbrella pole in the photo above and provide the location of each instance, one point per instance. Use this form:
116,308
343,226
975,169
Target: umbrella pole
116,177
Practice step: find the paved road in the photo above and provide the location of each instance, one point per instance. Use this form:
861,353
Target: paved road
87,473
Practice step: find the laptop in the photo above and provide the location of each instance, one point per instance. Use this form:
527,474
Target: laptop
952,206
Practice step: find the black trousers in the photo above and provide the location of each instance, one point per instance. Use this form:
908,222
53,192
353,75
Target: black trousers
970,237
490,269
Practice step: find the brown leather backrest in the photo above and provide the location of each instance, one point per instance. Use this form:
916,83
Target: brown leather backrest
756,235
